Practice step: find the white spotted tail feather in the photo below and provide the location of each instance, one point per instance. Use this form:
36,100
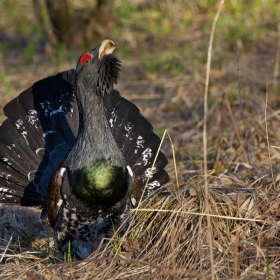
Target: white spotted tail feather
40,130
137,142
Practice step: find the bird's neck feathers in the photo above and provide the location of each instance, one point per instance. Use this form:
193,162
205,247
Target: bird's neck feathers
95,140
108,74
93,83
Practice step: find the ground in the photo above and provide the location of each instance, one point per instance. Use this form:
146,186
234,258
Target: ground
225,227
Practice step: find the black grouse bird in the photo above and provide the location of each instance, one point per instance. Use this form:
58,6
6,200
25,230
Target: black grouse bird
72,145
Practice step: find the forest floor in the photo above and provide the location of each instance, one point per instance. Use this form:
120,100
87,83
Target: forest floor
219,223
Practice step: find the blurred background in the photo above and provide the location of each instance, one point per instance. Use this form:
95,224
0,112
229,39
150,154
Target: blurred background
163,46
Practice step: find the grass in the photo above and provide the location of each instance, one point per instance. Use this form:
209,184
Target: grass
67,257
163,46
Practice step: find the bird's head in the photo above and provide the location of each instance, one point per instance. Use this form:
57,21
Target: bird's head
98,68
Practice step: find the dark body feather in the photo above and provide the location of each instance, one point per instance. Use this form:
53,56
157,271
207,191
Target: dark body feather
66,145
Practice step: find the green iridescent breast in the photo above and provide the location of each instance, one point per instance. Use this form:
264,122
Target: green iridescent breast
99,183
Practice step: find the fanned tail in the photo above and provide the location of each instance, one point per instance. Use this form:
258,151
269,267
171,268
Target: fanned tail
42,126
40,129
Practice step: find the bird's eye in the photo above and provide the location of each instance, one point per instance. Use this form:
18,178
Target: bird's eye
86,58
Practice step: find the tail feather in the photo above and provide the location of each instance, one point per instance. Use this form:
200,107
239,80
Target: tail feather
12,175
122,115
41,128
18,198
14,150
25,120
55,95
137,141
137,138
16,190
154,182
144,155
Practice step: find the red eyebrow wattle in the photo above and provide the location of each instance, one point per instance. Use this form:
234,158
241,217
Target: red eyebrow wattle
86,57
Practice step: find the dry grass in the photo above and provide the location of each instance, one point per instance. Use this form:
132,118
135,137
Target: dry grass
168,236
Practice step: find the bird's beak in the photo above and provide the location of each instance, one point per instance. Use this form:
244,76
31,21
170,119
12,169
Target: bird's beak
107,47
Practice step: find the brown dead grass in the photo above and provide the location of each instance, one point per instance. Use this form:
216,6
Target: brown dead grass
168,237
